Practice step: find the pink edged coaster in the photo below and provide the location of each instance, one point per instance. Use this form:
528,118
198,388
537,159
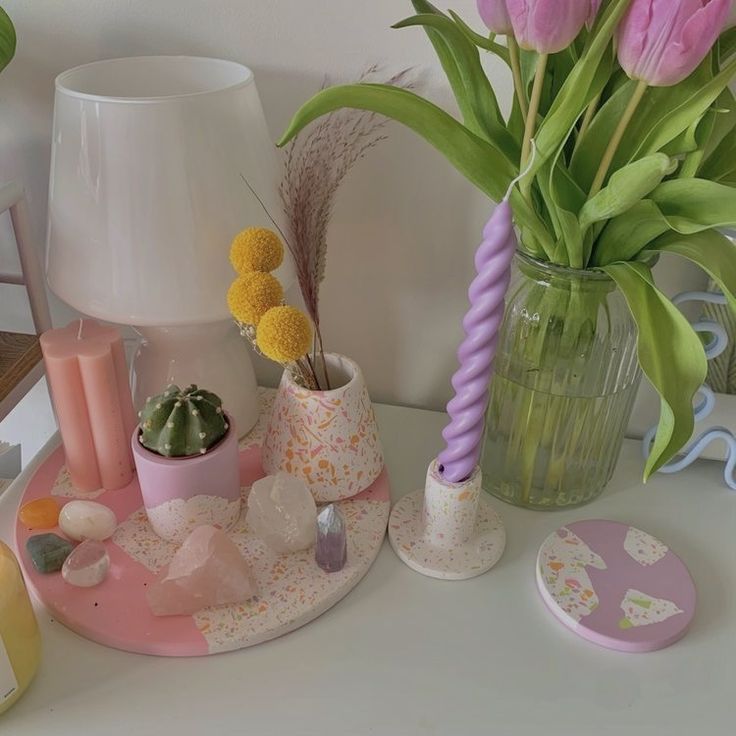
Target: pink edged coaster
616,585
292,589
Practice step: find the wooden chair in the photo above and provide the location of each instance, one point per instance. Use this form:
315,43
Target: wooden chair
21,365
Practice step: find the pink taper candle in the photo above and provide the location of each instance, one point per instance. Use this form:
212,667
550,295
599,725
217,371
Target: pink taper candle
467,409
87,374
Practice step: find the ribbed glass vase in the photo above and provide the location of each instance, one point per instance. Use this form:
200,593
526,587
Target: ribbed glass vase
566,376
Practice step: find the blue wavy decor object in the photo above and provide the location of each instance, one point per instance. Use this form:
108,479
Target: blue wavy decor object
706,398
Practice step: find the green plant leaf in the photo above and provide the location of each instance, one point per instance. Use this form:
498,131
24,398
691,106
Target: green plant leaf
449,65
483,42
7,39
670,354
479,161
727,45
710,250
625,188
696,204
479,98
668,127
721,163
583,84
657,104
624,237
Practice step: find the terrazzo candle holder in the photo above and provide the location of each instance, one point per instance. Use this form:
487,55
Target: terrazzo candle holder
328,439
447,530
181,493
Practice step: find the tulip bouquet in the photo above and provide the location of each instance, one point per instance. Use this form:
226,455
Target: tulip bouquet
628,104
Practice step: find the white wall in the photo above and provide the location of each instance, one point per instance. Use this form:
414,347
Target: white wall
406,224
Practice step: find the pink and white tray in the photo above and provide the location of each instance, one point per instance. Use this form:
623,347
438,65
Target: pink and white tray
292,589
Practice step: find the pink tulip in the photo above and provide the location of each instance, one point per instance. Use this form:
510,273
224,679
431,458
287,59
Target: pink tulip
547,26
661,42
495,16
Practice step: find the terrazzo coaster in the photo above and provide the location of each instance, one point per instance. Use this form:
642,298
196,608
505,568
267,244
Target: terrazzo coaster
616,586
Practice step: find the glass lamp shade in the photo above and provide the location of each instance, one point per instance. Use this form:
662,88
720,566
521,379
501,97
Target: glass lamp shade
147,190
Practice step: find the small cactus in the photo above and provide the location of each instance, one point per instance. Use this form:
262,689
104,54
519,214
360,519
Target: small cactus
180,423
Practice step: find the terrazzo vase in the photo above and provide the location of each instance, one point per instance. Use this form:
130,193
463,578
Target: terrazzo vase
182,493
329,439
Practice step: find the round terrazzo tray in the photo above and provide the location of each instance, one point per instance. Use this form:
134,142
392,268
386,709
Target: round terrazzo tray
616,585
292,589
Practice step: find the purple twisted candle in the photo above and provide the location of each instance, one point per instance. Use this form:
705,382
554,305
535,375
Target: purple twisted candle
477,352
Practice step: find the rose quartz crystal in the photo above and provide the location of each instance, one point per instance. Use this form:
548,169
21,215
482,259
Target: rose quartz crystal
207,570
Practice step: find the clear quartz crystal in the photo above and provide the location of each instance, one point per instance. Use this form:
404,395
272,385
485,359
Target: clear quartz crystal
87,565
282,512
331,551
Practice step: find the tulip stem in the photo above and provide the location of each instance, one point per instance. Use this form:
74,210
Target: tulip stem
618,136
515,61
531,118
588,118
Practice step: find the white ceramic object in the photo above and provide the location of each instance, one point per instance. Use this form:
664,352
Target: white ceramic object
329,439
448,531
145,196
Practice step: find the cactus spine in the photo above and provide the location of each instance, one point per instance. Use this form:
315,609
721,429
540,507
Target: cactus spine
180,423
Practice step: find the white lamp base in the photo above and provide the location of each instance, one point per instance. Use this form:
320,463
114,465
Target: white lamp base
214,356
447,531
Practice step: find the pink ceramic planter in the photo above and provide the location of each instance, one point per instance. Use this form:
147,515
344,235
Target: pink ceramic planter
329,439
180,494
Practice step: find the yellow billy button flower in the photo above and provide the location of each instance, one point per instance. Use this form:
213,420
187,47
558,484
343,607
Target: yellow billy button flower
256,249
284,334
251,295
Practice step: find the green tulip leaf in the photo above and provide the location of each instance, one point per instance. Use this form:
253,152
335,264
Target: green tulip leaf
670,354
624,237
625,188
720,165
479,161
669,126
710,250
483,42
475,95
666,119
693,204
586,80
7,39
449,65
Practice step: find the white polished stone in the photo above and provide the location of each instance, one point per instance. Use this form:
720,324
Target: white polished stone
87,520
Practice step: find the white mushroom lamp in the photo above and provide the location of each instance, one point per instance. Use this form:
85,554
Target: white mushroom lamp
146,194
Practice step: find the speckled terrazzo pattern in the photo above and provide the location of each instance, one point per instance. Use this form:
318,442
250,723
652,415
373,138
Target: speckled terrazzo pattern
178,518
480,553
63,487
292,588
328,439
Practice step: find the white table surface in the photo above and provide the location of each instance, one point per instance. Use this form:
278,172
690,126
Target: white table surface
405,655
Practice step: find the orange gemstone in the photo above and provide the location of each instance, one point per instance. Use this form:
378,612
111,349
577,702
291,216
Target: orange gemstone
43,513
